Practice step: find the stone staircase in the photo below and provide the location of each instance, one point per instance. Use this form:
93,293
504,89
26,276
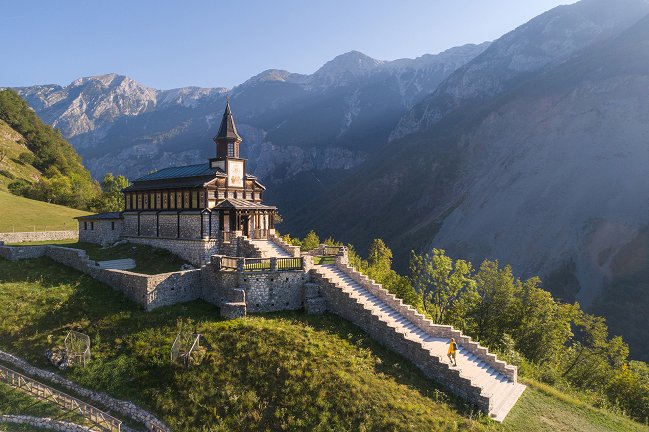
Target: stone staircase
479,377
269,249
118,264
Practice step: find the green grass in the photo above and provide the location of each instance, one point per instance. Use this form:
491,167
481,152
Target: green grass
15,402
22,214
148,260
544,408
286,371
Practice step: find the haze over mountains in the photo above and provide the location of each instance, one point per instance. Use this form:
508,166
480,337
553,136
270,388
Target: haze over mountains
533,150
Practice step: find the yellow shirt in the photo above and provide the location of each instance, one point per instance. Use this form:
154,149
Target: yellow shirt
451,348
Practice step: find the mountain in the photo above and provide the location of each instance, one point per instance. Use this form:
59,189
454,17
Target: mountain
546,171
291,123
547,40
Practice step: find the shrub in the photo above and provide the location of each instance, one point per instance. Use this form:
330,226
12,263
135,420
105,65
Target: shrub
7,174
26,158
19,187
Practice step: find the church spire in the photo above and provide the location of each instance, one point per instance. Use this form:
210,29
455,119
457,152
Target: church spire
228,130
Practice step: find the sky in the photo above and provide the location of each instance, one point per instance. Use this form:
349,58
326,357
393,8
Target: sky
168,44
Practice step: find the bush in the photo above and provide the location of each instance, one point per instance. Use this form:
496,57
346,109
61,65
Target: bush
19,187
7,174
26,158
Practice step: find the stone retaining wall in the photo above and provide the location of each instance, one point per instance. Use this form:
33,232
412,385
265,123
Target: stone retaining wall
193,251
149,291
125,408
44,423
432,329
19,237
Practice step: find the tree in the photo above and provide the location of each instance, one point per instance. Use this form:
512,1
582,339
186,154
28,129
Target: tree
111,198
490,317
26,158
444,286
311,241
379,268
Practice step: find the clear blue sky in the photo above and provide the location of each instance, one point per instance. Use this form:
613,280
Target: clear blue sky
167,44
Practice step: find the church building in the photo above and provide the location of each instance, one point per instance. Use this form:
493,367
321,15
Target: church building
199,207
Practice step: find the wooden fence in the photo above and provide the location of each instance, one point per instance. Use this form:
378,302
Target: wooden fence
103,421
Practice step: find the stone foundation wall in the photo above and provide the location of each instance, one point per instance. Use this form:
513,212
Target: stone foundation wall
19,237
130,224
148,224
168,224
273,291
105,232
190,226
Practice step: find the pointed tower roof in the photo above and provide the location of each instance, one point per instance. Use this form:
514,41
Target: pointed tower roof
228,130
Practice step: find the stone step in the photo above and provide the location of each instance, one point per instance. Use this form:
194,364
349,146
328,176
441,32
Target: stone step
118,264
501,391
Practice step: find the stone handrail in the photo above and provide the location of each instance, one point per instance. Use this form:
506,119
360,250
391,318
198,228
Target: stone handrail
432,329
293,251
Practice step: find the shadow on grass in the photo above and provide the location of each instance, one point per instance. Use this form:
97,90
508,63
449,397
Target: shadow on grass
260,364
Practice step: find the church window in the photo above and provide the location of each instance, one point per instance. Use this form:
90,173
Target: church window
186,202
194,199
201,200
92,226
85,225
235,194
165,200
112,226
179,200
146,201
230,149
139,201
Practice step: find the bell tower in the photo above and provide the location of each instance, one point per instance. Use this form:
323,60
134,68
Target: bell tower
227,139
228,158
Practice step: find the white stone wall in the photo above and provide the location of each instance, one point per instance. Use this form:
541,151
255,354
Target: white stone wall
19,237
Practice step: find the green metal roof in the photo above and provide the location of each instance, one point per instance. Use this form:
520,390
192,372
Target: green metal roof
199,170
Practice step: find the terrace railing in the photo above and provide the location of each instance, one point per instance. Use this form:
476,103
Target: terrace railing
247,265
256,264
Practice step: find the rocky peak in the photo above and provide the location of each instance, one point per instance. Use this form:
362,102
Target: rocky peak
547,40
345,68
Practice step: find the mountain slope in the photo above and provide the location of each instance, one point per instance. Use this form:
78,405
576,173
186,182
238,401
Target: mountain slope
62,179
549,39
335,116
549,175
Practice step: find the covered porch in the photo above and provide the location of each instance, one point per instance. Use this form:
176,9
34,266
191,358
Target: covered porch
241,217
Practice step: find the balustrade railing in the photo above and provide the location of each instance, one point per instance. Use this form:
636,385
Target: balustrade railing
256,264
289,263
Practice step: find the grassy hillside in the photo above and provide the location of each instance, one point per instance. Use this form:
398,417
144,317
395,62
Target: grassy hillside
283,371
22,214
11,168
62,177
15,402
